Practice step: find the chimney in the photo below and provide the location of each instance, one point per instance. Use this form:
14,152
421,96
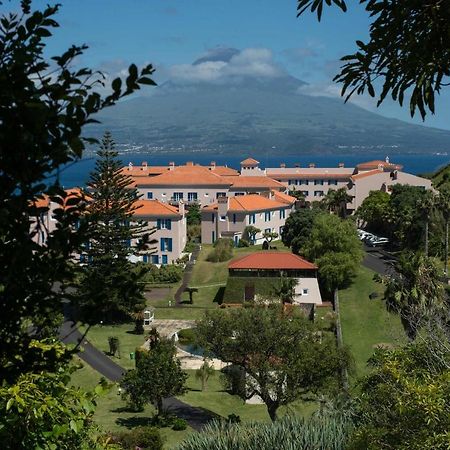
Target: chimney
223,204
213,164
296,165
283,165
130,166
190,163
312,165
341,165
171,165
181,208
144,165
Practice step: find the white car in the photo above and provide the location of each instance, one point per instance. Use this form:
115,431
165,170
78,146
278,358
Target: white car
378,242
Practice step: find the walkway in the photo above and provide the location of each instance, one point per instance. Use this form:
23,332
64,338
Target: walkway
196,417
187,275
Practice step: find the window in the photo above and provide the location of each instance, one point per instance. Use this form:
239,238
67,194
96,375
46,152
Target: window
177,196
221,194
305,193
282,213
164,260
234,218
166,244
281,231
213,237
238,193
149,195
223,218
304,291
236,241
290,181
192,196
305,182
318,193
318,182
212,217
266,216
155,259
145,258
268,230
252,219
164,224
332,182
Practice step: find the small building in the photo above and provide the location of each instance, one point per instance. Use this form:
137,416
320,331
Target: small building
229,217
256,273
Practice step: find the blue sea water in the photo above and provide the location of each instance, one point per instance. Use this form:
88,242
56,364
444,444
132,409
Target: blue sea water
77,173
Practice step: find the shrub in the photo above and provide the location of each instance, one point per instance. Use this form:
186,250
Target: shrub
147,438
179,425
187,336
171,273
223,250
190,247
243,243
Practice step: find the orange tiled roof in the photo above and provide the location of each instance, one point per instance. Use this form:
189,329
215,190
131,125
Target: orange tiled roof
378,163
184,176
224,171
155,208
284,198
266,260
249,162
251,202
300,175
43,202
368,173
142,171
255,182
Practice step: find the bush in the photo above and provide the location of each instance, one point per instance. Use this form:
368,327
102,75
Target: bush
187,336
147,438
190,247
179,425
171,273
243,243
223,250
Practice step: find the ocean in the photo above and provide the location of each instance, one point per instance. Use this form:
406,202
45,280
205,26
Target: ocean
77,173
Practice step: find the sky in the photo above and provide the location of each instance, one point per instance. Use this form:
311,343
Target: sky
172,34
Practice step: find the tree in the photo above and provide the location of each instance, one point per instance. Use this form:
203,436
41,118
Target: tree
194,216
297,228
283,358
413,290
334,246
444,205
269,236
427,204
110,288
250,233
336,201
374,211
284,290
43,110
393,56
404,401
191,291
204,372
157,375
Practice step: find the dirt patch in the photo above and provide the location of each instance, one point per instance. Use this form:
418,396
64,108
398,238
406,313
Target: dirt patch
155,294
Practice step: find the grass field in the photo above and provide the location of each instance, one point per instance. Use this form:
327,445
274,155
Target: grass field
111,413
365,322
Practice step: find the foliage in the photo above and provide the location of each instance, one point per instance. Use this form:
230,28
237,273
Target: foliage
41,410
157,375
250,233
269,236
374,210
283,357
148,438
297,228
194,233
290,432
413,290
334,246
235,288
170,273
284,290
223,250
186,336
110,287
193,215
179,425
404,402
114,345
393,55
243,243
44,107
204,372
337,200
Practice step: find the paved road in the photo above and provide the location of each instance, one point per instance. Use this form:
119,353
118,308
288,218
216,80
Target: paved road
378,260
196,417
187,275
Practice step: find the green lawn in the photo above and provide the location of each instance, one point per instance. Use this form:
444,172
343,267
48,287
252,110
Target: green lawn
111,413
220,402
365,322
98,337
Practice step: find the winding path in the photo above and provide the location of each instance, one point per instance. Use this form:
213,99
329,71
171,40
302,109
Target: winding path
187,275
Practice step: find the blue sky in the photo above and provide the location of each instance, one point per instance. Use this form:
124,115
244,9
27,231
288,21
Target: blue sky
172,34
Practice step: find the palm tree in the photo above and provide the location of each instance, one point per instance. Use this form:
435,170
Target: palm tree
444,205
285,289
336,201
413,290
427,204
204,372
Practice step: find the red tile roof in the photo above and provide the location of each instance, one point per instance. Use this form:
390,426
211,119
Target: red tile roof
249,162
224,171
255,182
378,163
142,171
368,173
155,208
283,198
251,202
300,175
267,260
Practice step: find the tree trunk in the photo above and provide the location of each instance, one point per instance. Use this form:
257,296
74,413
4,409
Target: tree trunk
426,237
409,327
159,406
272,408
446,249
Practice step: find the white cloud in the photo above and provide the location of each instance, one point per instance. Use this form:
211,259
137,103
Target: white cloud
254,62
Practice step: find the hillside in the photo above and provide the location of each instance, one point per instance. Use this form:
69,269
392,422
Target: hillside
442,177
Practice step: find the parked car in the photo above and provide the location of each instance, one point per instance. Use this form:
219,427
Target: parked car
378,242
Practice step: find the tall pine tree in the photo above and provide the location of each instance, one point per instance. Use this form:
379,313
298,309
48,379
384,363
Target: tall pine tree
109,289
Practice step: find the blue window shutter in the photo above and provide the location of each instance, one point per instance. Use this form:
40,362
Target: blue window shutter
158,224
170,244
162,244
145,258
169,224
164,259
234,218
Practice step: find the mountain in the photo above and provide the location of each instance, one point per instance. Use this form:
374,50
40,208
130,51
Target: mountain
244,114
